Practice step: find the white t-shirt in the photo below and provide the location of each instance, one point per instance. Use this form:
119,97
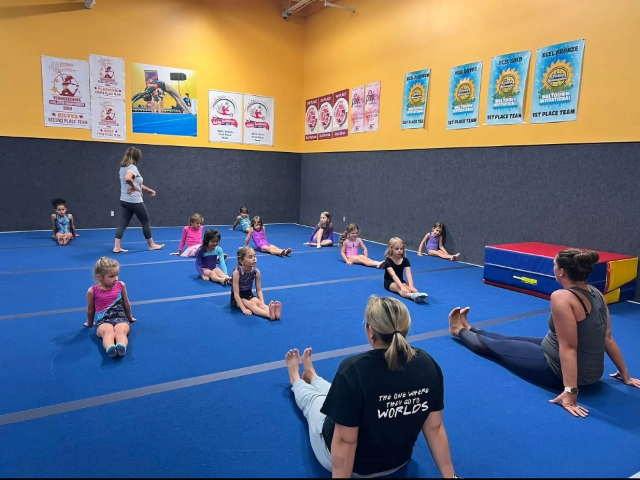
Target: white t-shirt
135,197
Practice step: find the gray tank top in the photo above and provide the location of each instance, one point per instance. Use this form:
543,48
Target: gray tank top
592,332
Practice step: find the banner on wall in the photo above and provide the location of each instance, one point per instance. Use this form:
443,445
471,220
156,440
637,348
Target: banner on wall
326,117
340,125
106,77
164,100
225,116
507,82
556,83
414,99
66,92
464,96
357,109
311,120
108,119
372,107
258,120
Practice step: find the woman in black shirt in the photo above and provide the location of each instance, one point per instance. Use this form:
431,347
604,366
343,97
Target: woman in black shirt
368,420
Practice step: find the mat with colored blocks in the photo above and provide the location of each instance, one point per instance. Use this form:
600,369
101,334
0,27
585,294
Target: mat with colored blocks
528,268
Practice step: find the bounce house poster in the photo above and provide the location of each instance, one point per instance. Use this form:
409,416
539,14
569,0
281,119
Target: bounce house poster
556,85
164,100
507,83
464,96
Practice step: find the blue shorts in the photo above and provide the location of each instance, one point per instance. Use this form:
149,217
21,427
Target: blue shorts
112,321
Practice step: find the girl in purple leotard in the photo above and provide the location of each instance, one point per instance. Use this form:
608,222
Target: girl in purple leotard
435,246
258,233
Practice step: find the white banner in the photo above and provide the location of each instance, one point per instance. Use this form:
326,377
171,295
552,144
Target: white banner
258,120
225,117
106,75
357,109
108,119
65,88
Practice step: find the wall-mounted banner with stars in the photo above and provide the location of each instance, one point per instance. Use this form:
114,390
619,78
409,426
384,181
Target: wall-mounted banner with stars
66,93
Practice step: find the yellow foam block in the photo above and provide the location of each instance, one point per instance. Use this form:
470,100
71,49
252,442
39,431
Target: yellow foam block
612,297
620,272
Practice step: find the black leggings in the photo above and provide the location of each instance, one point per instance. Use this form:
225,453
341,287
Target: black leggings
140,211
522,355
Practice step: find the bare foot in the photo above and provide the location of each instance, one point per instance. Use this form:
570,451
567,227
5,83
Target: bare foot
308,372
272,310
155,246
278,309
287,252
455,322
293,361
119,250
463,317
380,264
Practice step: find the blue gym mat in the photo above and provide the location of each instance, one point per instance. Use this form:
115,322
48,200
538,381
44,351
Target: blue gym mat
203,390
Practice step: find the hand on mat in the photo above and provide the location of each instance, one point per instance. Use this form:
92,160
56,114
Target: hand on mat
174,253
86,324
246,311
205,278
349,262
132,319
420,254
570,404
633,382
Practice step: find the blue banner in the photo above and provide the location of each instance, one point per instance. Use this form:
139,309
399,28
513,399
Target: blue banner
556,85
464,96
414,100
507,83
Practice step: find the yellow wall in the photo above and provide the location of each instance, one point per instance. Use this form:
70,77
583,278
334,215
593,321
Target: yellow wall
386,38
234,45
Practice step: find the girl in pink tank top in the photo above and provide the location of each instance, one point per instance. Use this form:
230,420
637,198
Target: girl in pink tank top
350,245
109,309
258,233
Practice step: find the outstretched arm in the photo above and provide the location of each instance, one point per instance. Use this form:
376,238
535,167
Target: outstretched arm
441,246
53,224
343,249
235,224
365,252
91,308
424,240
73,226
249,232
436,437
614,353
127,303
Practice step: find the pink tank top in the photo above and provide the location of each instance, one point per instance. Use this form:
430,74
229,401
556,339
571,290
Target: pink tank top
352,248
103,299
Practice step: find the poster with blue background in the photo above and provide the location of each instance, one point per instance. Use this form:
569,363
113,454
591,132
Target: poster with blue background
464,96
414,99
507,83
556,85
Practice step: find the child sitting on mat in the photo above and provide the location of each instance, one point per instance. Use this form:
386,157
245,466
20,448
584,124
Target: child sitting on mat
258,233
394,265
350,245
322,235
109,303
434,240
243,220
242,296
62,223
191,237
208,256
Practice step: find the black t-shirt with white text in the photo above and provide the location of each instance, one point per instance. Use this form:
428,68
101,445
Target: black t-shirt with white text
389,407
398,269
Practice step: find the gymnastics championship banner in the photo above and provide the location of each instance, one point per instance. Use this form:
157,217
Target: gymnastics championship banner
464,96
108,119
311,120
66,92
106,76
225,116
414,100
340,125
507,83
556,85
357,110
164,100
258,120
326,117
372,107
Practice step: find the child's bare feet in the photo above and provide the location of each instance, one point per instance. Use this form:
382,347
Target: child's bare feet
380,264
292,358
308,372
463,317
455,322
287,252
272,310
278,309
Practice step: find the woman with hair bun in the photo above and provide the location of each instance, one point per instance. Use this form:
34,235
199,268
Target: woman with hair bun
367,421
571,355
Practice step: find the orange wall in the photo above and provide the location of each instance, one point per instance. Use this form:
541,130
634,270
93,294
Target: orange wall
386,38
234,45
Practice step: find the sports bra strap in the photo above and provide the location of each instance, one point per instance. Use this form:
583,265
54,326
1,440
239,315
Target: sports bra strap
586,312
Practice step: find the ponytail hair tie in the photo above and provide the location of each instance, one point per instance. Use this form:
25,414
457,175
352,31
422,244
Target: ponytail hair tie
396,331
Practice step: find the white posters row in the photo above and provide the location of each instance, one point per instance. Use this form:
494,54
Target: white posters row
240,118
81,94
